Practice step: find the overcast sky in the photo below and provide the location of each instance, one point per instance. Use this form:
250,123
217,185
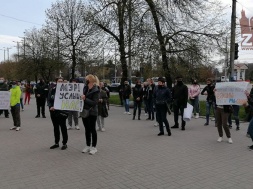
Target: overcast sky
13,13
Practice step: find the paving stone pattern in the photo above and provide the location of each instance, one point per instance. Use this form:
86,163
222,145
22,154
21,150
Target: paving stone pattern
130,156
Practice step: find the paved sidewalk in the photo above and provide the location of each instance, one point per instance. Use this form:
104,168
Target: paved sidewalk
130,155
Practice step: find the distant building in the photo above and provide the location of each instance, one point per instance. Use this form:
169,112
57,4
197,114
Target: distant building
240,70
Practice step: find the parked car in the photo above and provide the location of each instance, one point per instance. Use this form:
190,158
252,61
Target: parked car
114,87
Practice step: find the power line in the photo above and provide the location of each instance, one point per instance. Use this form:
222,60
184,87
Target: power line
19,20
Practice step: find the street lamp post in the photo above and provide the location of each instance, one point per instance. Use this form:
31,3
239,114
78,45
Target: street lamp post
4,53
8,48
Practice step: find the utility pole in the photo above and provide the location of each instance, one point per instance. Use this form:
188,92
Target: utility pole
130,42
232,41
226,59
8,53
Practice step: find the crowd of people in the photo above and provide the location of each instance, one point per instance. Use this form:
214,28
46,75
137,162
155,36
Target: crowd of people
158,101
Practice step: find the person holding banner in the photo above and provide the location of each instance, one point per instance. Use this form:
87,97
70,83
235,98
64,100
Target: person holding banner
58,119
90,97
4,87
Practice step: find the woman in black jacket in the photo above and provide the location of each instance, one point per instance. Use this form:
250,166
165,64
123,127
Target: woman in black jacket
58,119
90,97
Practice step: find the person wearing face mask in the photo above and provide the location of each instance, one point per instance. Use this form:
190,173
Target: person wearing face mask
126,96
4,87
162,96
137,94
15,105
180,98
194,91
210,99
41,91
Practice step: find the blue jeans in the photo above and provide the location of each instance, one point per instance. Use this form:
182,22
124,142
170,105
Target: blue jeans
208,107
195,104
126,102
236,109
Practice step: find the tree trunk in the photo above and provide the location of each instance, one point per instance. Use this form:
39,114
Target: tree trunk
161,42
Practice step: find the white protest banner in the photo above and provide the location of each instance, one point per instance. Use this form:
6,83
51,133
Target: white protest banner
4,100
67,96
231,93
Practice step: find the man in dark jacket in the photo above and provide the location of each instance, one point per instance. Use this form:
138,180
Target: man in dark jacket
4,87
149,97
138,95
162,96
210,99
41,91
180,98
126,95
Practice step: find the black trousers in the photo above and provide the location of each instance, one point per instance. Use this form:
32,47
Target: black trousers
161,113
15,112
176,109
59,123
90,130
6,112
41,103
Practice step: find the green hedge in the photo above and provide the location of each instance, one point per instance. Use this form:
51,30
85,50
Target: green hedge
114,99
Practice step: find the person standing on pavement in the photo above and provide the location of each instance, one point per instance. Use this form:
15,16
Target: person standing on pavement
149,96
126,95
15,105
250,106
58,120
138,95
120,89
102,110
90,97
180,98
22,88
28,91
194,91
73,115
4,87
41,91
210,99
162,96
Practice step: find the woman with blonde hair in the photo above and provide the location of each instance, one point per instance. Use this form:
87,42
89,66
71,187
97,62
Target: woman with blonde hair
90,97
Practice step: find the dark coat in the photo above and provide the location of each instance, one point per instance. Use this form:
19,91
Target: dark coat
3,87
210,93
138,92
180,95
91,100
162,95
126,92
102,95
41,89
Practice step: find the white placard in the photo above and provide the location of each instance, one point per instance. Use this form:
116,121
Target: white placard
67,96
4,100
231,93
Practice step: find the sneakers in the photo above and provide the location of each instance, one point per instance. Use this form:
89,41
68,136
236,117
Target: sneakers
13,128
175,127
18,129
44,116
54,146
86,149
93,150
206,124
64,147
230,140
230,126
103,129
146,114
156,124
237,128
69,127
251,147
77,127
219,139
197,116
213,119
128,114
37,116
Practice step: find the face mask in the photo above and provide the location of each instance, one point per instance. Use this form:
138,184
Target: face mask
194,83
13,86
209,84
160,86
125,84
87,82
179,82
1,81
